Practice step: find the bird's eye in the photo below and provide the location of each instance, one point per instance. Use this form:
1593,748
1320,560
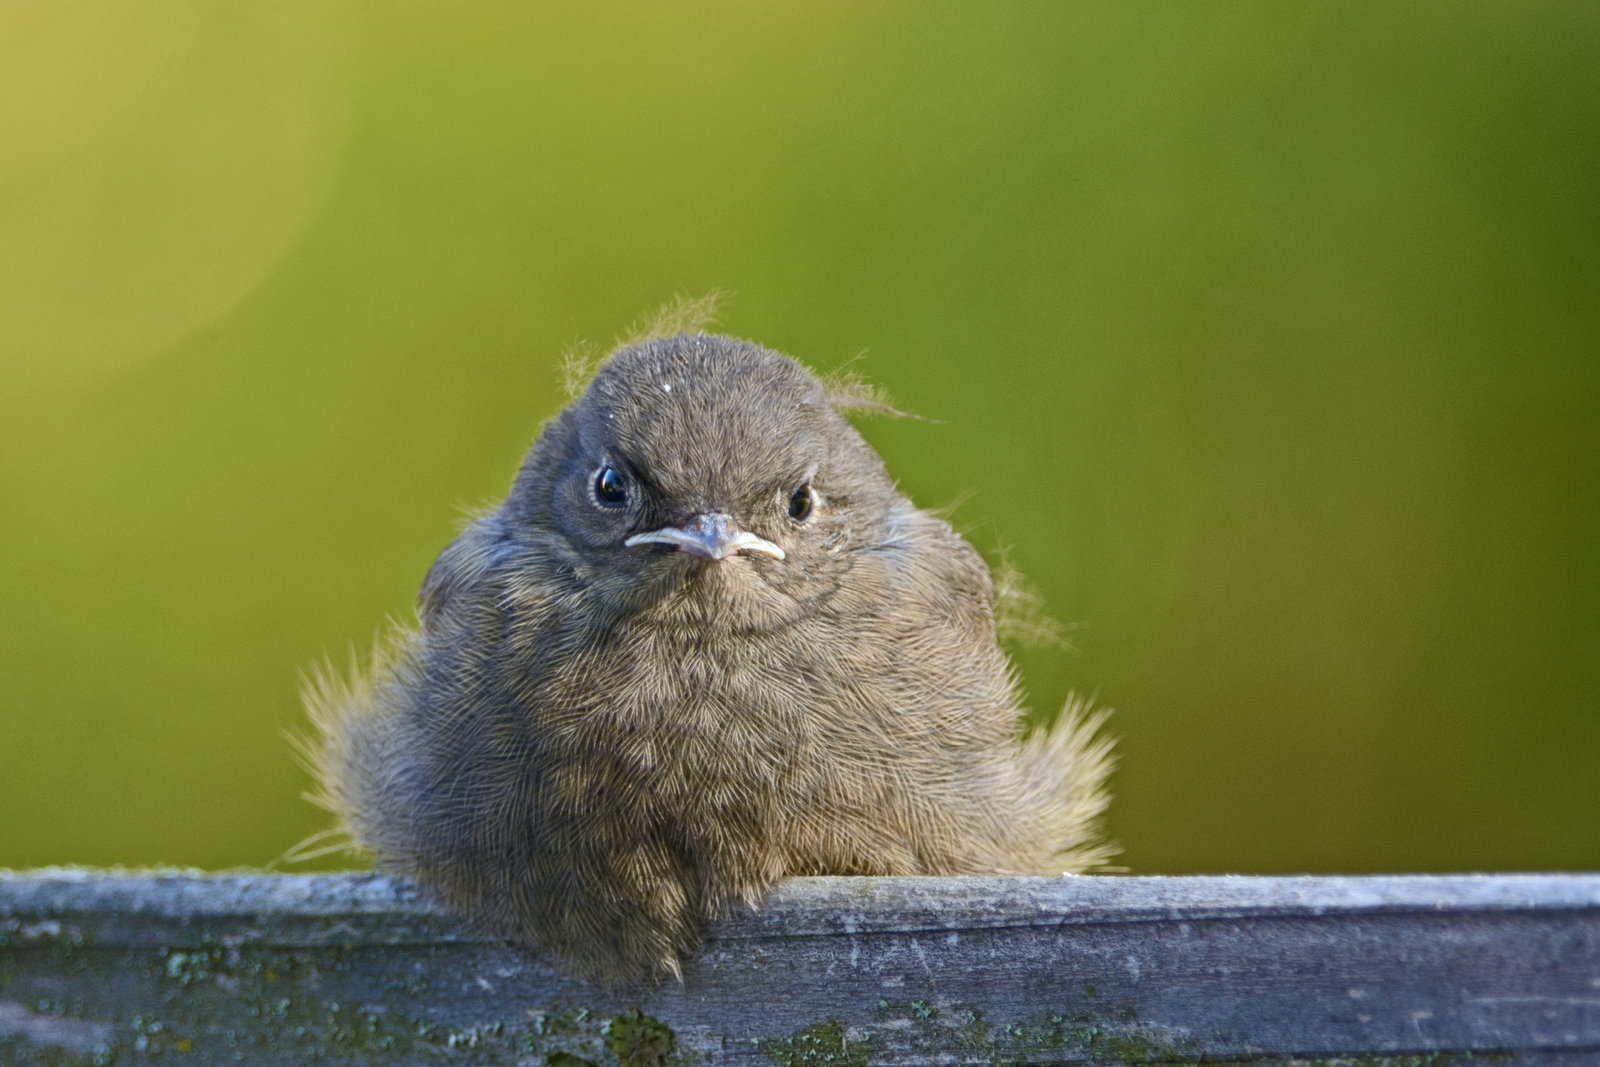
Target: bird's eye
800,503
609,488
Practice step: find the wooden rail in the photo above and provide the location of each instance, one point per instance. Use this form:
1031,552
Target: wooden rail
1418,970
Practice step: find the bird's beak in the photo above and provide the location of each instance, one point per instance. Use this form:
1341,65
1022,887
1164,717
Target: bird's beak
713,536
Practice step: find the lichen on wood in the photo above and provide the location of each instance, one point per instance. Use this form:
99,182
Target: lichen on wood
1309,972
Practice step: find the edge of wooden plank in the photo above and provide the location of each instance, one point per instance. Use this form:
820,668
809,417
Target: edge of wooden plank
814,906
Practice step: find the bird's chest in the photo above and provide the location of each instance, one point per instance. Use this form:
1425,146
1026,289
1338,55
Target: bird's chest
687,714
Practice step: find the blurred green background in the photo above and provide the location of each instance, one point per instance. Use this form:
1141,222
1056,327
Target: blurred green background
1266,338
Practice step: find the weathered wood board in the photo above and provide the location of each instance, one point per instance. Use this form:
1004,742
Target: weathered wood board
1421,970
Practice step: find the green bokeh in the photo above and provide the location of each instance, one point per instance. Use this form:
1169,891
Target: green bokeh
1265,337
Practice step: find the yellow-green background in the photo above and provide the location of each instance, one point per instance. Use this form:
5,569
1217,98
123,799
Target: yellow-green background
1265,335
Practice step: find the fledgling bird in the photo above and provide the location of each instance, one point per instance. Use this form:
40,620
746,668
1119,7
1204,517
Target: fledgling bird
703,644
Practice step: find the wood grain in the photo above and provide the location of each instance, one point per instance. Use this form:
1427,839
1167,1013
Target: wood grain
1421,970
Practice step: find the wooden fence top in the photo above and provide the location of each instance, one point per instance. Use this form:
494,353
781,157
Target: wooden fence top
1424,971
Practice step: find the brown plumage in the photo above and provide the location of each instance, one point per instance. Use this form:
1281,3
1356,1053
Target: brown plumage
624,714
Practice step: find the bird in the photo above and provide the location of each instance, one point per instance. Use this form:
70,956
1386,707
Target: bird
702,645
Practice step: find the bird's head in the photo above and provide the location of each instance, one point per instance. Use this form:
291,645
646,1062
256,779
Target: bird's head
702,471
